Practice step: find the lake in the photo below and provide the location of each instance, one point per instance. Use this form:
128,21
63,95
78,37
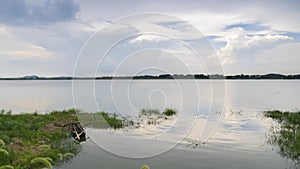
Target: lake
224,117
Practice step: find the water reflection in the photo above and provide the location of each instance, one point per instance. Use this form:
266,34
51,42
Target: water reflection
237,143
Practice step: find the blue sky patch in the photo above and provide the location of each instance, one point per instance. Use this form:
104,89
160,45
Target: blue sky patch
294,35
216,45
247,26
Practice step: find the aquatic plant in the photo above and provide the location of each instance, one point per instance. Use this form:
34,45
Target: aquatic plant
169,112
149,112
6,167
154,116
44,160
286,135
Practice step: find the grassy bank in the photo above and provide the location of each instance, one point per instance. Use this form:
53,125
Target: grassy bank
286,134
30,141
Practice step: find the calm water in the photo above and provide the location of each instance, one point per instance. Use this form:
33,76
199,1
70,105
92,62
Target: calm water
227,116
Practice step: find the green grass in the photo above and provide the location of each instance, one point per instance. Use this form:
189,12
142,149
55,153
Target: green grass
29,141
46,161
30,136
287,134
6,167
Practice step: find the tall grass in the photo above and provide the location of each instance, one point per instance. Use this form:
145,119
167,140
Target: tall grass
43,160
3,151
6,167
2,143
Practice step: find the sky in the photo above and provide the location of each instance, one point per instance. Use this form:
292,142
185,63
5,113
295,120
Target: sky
55,37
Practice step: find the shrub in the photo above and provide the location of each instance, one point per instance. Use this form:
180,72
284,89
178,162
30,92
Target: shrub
169,112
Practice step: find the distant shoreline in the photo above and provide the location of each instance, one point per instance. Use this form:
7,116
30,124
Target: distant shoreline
271,76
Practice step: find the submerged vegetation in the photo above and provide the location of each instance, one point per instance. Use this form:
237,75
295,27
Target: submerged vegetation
169,112
30,141
286,134
101,120
104,120
154,116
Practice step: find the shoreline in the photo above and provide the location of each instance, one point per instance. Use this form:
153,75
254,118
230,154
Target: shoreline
31,141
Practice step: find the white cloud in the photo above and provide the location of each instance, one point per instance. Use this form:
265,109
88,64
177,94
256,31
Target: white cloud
284,57
148,37
14,48
242,47
55,36
30,52
210,23
280,16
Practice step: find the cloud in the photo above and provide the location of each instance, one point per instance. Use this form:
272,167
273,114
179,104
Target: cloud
14,48
147,37
248,26
31,52
242,46
283,58
50,33
181,26
22,12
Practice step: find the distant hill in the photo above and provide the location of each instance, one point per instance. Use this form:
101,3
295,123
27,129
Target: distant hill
163,76
31,77
266,76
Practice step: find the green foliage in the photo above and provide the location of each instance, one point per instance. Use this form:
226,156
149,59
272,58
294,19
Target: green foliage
6,167
3,151
66,155
6,112
169,112
2,143
112,120
60,156
145,167
45,147
36,135
44,160
287,134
